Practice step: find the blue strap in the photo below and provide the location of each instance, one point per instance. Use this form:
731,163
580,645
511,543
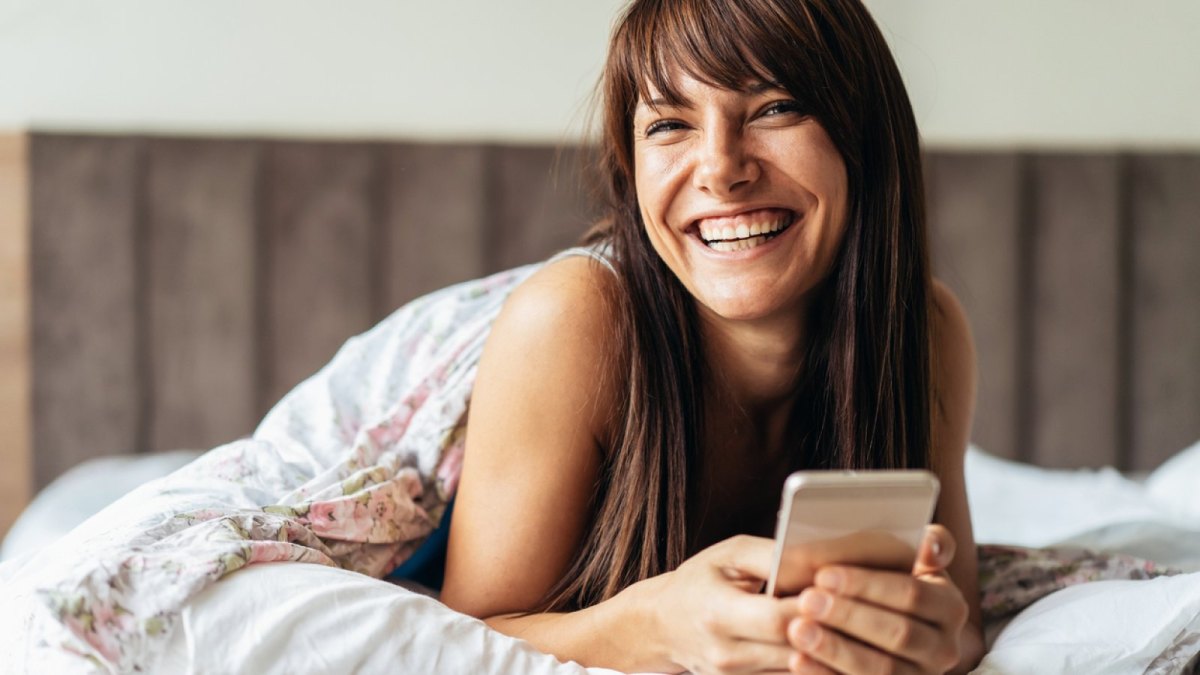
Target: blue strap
427,565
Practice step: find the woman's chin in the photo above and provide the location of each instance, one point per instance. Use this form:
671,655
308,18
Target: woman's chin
747,310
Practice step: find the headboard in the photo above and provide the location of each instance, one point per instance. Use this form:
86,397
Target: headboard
180,286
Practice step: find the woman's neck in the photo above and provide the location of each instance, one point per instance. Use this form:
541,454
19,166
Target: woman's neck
756,369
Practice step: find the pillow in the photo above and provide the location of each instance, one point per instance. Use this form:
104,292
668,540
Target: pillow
294,617
82,491
1148,626
1173,484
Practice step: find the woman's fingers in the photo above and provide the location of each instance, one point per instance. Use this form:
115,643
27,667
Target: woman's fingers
932,598
893,633
803,664
742,556
841,653
759,618
916,619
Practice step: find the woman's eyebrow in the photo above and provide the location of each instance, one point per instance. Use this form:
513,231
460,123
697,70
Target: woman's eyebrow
664,102
763,86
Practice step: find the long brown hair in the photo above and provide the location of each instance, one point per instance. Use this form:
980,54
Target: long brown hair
865,397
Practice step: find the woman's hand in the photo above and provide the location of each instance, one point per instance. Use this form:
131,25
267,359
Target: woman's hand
857,620
710,616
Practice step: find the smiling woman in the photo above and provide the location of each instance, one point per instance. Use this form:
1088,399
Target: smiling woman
764,304
756,300
722,178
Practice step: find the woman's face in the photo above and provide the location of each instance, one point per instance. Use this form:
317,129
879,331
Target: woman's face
742,194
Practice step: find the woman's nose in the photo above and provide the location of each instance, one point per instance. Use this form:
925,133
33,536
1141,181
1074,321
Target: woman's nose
724,167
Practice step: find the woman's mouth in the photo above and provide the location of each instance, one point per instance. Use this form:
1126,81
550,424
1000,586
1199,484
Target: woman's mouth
745,230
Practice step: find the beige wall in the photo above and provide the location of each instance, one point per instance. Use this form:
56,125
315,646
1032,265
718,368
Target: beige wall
14,329
1029,72
1050,73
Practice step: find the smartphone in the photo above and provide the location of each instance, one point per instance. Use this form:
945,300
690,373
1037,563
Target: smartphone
869,518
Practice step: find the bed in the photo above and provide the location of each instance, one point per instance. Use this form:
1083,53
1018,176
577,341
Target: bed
226,285
276,617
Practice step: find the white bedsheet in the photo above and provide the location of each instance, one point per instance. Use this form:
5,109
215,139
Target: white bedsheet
259,620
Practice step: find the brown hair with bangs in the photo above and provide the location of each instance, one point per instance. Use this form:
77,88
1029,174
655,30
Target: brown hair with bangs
865,398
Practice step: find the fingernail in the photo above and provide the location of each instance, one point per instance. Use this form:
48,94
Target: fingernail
830,579
936,547
814,603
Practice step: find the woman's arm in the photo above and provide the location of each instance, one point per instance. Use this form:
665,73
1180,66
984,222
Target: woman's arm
954,382
542,404
540,401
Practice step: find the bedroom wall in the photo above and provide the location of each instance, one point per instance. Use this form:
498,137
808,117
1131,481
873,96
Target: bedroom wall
1050,74
1095,74
1024,72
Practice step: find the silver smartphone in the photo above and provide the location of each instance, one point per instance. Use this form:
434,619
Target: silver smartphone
871,518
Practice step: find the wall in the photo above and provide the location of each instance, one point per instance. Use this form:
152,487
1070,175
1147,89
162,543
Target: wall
1074,73
1022,72
1050,73
516,69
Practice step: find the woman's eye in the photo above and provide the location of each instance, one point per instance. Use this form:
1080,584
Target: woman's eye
662,126
781,108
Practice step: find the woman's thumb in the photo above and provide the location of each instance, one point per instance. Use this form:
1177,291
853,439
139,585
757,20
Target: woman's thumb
936,551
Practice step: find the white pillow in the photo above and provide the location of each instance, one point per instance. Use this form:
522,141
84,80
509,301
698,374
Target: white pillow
1173,484
1145,626
1024,505
82,491
291,618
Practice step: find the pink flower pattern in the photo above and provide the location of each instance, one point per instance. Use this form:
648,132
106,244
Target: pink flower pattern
351,469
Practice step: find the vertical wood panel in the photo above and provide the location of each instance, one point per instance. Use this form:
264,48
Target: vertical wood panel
16,476
1074,362
538,204
974,215
435,219
86,384
200,283
1165,217
232,286
318,222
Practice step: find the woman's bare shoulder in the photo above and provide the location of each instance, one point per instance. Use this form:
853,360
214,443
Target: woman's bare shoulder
954,371
556,333
951,331
576,289
541,403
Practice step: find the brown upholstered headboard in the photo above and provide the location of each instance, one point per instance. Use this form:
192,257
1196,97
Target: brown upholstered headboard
181,286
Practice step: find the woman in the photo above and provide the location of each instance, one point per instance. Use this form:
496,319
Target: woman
771,309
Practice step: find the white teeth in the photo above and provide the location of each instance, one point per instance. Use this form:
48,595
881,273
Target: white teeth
738,244
713,232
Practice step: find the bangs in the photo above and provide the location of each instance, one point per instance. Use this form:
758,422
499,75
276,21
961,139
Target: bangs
717,42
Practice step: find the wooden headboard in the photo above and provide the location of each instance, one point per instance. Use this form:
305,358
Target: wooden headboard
181,286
